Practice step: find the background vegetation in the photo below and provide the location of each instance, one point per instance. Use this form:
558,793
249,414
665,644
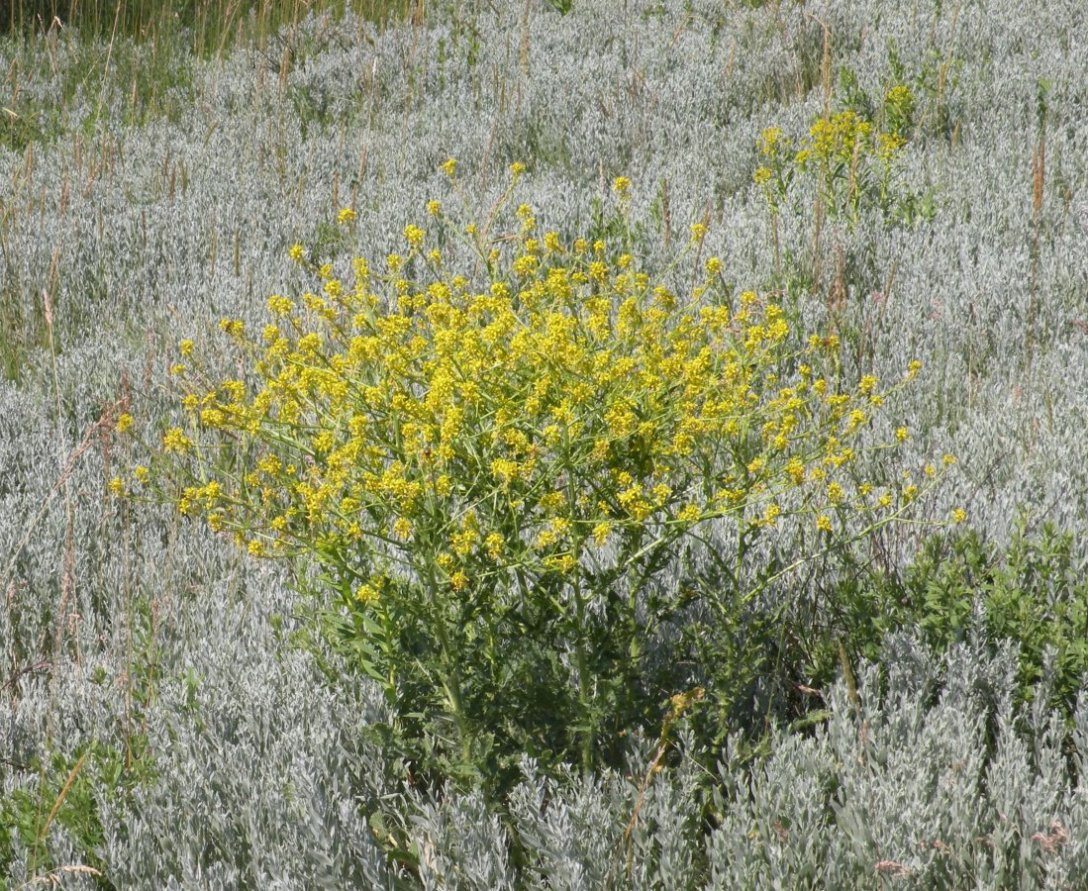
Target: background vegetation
907,712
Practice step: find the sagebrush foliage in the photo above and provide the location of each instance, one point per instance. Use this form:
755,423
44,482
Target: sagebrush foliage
150,193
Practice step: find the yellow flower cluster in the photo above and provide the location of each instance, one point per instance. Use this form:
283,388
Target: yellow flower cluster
454,431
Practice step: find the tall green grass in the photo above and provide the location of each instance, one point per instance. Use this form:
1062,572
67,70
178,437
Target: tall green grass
212,25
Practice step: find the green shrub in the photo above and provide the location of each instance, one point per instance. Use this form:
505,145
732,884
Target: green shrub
1032,592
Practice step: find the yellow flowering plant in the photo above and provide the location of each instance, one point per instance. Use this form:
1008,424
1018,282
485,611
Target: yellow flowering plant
497,471
851,162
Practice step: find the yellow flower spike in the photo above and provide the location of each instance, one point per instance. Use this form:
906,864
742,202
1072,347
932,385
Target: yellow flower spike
621,185
698,232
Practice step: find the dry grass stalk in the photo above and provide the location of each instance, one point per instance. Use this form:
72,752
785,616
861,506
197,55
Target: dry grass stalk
105,421
53,877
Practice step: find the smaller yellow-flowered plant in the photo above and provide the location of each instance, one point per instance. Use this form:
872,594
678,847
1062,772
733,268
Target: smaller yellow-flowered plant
851,161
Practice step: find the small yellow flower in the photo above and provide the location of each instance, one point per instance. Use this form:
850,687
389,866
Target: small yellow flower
256,548
823,523
434,208
459,581
494,543
621,185
698,232
517,169
713,266
769,140
902,434
117,486
234,328
959,515
124,423
174,440
296,252
186,347
279,306
346,215
449,167
948,460
141,473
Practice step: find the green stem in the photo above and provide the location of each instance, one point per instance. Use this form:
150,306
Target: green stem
450,681
584,687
